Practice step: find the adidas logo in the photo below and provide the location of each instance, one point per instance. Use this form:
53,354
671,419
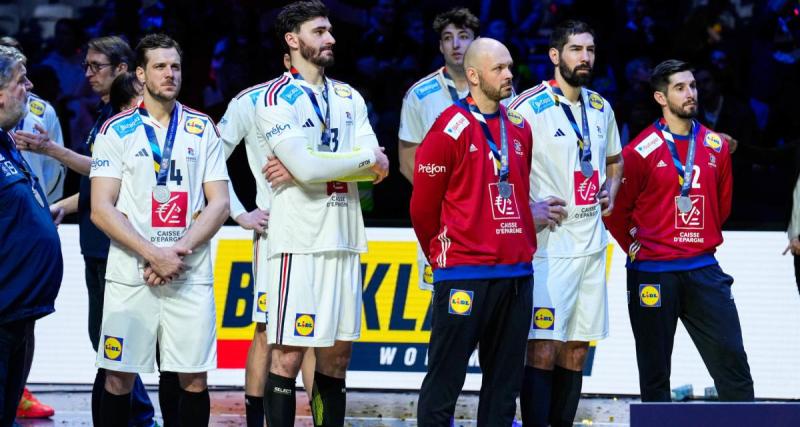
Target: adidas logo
559,132
308,124
661,164
472,148
142,153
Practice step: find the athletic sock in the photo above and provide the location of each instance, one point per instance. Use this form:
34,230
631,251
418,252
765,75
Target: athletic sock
97,395
169,391
194,408
254,410
566,395
115,409
329,399
279,401
534,399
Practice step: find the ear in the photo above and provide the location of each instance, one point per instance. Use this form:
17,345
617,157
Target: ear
472,76
140,74
292,40
441,46
121,67
660,98
554,55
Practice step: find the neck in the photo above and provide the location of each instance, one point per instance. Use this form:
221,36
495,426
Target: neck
573,93
458,75
485,105
313,74
677,125
157,109
105,98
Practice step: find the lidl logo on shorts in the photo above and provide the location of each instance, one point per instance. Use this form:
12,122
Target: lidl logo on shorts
596,101
37,108
291,94
112,348
713,141
262,302
541,103
195,126
650,295
427,275
516,119
544,318
460,302
342,91
304,325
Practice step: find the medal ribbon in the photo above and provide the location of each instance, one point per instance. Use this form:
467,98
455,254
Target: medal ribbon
326,119
584,138
451,85
500,156
161,161
684,172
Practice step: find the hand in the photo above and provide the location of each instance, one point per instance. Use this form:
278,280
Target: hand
276,173
794,247
548,213
256,220
606,204
733,144
37,142
165,265
57,213
381,166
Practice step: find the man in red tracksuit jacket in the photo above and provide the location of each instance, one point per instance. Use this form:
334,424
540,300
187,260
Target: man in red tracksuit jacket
674,197
470,211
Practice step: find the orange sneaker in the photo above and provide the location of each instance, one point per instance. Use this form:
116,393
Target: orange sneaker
30,407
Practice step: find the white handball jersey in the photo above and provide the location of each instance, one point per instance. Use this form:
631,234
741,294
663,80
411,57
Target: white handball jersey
314,217
122,151
425,101
239,123
555,168
51,172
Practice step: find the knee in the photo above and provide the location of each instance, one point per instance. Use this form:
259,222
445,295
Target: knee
542,354
119,383
285,361
194,382
573,355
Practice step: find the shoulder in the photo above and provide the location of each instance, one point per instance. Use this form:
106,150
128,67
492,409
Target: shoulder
280,91
195,122
597,102
453,121
645,143
249,97
424,87
711,140
38,106
533,101
344,90
123,124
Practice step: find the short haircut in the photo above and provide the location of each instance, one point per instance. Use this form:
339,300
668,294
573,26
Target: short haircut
293,15
659,79
560,35
115,48
124,88
10,42
460,17
10,59
152,42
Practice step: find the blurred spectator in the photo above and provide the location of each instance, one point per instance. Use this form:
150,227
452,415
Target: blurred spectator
635,108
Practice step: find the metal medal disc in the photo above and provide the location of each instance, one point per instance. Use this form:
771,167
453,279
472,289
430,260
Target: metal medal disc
586,169
161,193
684,204
505,189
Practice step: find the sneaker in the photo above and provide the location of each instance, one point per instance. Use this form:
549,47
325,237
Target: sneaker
30,407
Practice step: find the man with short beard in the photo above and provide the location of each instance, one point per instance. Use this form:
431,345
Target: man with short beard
319,130
469,210
675,195
575,176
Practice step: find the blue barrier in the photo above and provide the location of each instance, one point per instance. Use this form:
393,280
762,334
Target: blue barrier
773,414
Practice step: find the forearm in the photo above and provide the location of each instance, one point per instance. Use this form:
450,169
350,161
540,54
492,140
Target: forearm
794,220
69,204
117,227
235,205
406,154
614,167
309,166
207,223
77,162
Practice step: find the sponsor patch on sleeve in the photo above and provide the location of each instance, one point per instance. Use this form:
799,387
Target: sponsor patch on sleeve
254,96
713,141
648,145
516,119
194,126
456,125
541,103
127,126
343,91
427,88
37,107
291,93
596,101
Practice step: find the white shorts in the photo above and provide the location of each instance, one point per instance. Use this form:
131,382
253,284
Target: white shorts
180,318
425,270
315,299
260,278
570,300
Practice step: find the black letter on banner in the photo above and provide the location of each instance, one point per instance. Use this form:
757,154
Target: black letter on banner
236,293
370,307
397,322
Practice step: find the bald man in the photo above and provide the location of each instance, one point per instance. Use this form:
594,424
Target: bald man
470,212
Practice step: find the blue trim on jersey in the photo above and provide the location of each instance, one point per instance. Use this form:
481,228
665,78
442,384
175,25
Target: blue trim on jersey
683,264
468,272
524,96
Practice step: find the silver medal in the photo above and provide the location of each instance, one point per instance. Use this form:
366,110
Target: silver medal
586,168
505,189
684,204
161,193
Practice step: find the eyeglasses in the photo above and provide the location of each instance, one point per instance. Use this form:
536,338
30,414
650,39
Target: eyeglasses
94,66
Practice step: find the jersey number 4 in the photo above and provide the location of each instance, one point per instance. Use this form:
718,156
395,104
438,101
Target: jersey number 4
175,173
